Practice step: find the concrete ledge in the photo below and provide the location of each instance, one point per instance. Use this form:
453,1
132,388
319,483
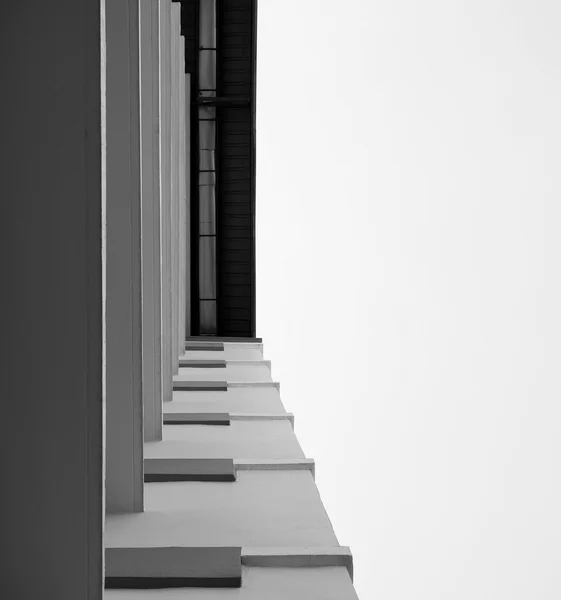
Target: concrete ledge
165,567
204,347
162,583
244,345
261,417
200,386
188,418
334,556
272,464
236,340
198,346
257,384
202,364
188,469
248,363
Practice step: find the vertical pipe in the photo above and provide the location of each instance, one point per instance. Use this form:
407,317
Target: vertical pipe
206,168
194,184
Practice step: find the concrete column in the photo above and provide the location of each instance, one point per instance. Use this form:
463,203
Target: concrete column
52,186
187,331
174,190
165,190
181,153
124,483
150,196
173,187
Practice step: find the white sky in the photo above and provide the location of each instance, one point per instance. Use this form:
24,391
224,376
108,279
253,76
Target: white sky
409,296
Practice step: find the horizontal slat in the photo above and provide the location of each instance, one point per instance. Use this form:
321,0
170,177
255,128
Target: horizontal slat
163,567
202,363
188,469
227,340
237,291
200,386
228,302
187,418
204,346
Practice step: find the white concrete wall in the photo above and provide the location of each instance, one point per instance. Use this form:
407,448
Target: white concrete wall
234,400
261,583
52,195
232,372
261,508
240,439
59,478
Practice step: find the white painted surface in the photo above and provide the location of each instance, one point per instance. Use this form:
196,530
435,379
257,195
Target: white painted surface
187,282
124,483
229,353
261,508
248,362
260,583
254,384
310,556
230,373
275,464
263,417
240,439
52,190
244,346
150,198
242,400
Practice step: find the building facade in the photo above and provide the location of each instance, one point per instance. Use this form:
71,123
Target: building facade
146,450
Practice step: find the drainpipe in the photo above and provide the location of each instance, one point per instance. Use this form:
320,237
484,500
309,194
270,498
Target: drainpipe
207,169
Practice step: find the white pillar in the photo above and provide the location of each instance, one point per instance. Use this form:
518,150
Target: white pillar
181,210
150,196
165,187
52,185
183,195
187,84
174,172
124,481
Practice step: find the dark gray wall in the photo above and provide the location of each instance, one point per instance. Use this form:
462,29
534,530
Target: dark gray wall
51,328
